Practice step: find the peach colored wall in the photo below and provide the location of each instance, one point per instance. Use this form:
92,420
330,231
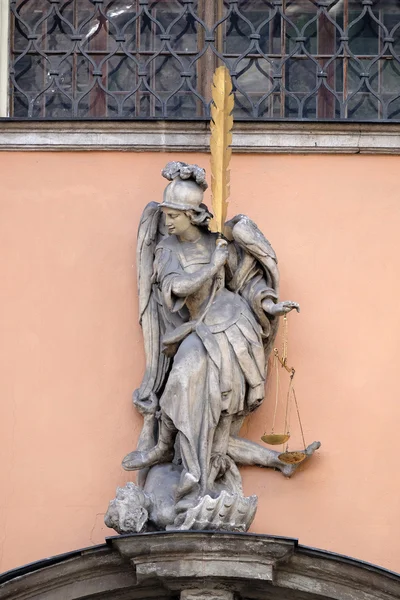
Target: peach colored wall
71,350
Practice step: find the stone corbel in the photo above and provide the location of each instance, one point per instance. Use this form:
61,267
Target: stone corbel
191,564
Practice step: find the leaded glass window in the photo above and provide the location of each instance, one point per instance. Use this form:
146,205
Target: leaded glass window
141,59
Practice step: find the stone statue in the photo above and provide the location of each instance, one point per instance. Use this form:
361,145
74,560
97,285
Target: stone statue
209,310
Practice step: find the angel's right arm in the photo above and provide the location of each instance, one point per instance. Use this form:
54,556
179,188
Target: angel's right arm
185,285
174,281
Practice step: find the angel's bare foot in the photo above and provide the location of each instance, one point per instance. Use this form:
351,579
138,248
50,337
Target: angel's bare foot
245,452
289,470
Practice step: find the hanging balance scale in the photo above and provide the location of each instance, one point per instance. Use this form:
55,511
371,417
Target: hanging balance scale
275,439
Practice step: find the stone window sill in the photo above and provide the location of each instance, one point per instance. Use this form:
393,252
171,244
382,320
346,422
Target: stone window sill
189,136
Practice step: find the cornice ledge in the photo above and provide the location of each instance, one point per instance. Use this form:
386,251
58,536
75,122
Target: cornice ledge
197,555
193,136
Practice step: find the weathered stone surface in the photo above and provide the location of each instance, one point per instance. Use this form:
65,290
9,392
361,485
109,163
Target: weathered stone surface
209,310
206,594
262,137
228,512
128,512
197,565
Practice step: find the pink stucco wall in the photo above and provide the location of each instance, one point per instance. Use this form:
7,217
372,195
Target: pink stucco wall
71,350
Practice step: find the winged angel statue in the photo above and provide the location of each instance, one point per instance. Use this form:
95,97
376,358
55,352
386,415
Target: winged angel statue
209,310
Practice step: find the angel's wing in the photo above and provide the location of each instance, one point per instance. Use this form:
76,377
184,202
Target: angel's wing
255,250
247,232
151,315
248,236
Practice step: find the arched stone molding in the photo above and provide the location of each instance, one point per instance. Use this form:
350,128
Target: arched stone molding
200,566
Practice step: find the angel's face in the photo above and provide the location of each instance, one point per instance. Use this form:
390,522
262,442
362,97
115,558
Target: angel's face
176,221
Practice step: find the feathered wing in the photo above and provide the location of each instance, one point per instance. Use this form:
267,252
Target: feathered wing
256,275
151,316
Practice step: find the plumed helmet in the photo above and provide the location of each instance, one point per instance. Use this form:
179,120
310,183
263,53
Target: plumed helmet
185,192
183,195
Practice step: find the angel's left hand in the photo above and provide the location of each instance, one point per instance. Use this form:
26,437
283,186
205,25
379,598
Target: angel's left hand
280,308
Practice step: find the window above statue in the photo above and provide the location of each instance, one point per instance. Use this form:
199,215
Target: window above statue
140,59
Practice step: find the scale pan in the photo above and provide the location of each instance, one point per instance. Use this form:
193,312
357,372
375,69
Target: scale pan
275,438
292,458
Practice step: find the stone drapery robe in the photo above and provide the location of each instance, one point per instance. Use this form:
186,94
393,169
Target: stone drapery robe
218,340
